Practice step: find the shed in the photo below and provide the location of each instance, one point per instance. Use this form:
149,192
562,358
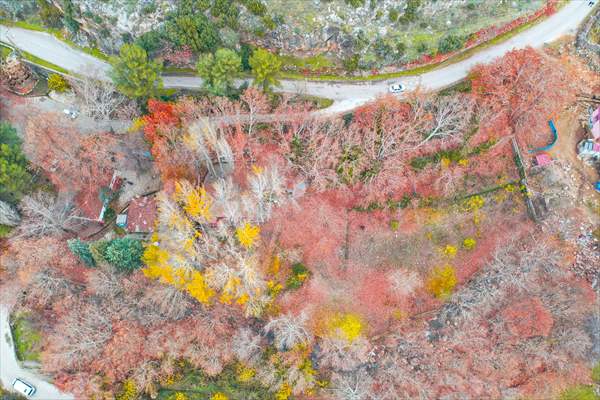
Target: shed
141,214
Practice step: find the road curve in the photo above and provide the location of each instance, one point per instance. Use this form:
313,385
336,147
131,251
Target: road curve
347,95
11,369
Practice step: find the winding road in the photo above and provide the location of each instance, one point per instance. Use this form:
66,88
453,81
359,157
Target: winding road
11,369
346,95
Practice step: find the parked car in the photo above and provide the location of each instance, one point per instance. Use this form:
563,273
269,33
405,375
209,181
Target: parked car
71,113
23,387
397,88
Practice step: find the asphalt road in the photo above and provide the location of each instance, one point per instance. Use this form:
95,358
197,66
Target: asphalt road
11,369
346,95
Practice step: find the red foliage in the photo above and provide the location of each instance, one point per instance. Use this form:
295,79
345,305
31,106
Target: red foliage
524,89
73,162
528,318
123,352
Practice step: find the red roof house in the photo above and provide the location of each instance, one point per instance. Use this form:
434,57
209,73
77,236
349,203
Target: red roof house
141,214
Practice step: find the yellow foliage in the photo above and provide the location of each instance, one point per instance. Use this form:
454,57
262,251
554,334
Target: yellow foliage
449,251
445,162
197,203
346,326
463,162
136,125
154,255
469,243
510,188
128,392
198,289
399,314
243,299
257,169
474,203
245,374
247,234
275,265
219,396
284,392
442,281
178,396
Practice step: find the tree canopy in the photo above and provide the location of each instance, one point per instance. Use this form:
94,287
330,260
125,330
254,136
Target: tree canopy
265,67
133,74
219,70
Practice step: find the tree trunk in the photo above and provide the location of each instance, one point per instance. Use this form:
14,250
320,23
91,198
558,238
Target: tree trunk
9,214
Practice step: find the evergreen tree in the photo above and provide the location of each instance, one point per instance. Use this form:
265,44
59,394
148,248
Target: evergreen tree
265,67
133,74
125,254
219,70
81,250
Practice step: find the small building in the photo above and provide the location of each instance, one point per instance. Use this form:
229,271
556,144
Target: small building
141,214
588,150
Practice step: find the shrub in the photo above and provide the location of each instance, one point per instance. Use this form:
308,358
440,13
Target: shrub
351,63
125,254
50,15
442,281
450,251
82,250
355,3
256,7
450,43
394,224
57,83
469,243
393,15
299,275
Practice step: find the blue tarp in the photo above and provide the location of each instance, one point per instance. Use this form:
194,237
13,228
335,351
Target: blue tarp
554,139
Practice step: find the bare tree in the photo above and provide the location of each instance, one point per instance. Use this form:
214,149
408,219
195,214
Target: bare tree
9,215
352,386
288,331
79,336
97,98
46,214
246,345
450,116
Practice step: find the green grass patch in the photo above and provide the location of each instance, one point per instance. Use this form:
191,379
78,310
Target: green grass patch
319,102
27,339
5,231
198,386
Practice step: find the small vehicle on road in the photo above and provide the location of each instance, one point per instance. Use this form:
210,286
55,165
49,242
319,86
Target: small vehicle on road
71,113
23,387
397,88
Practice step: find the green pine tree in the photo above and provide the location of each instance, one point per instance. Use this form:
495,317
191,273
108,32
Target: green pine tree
125,254
81,250
265,68
133,74
219,70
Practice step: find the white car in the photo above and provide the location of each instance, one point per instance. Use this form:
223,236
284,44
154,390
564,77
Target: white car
71,113
23,387
397,88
